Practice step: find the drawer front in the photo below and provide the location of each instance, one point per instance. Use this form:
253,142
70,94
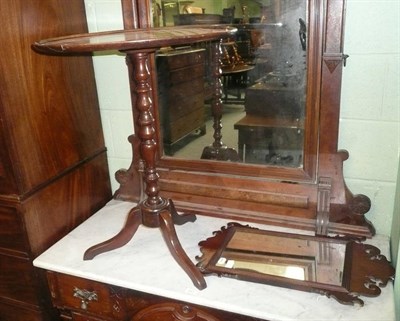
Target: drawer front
185,125
12,236
119,304
17,280
185,90
185,107
185,59
86,297
184,74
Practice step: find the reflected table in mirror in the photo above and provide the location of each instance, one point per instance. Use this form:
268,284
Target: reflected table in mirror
338,267
267,140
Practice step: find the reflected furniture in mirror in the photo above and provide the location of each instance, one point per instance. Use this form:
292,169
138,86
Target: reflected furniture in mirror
302,189
337,267
182,95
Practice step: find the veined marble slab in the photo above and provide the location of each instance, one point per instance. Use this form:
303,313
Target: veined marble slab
145,264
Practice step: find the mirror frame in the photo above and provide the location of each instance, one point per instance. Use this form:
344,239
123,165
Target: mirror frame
312,198
365,269
306,174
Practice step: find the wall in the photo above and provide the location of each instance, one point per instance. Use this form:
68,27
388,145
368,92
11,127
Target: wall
113,87
370,121
369,126
395,244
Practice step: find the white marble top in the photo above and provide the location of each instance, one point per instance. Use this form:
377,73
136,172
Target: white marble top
145,264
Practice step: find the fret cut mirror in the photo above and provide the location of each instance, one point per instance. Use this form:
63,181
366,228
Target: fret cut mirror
259,144
337,267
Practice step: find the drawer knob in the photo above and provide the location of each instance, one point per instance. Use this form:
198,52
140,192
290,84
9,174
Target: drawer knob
85,296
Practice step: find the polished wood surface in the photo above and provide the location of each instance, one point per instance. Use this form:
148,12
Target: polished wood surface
116,303
53,164
151,38
43,126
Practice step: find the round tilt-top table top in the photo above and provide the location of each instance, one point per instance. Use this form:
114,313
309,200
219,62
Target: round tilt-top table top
135,39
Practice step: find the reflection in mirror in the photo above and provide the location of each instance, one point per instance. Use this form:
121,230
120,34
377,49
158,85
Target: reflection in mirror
263,81
301,259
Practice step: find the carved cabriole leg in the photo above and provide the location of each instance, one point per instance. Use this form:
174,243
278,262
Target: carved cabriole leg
154,210
218,150
174,246
124,236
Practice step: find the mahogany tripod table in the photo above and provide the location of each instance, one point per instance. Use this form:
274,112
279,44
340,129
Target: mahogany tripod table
138,45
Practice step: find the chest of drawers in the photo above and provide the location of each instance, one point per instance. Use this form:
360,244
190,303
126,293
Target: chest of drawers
84,300
181,95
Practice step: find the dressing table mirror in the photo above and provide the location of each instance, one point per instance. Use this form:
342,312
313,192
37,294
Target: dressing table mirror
288,170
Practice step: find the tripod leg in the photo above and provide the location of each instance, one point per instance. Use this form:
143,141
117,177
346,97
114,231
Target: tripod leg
170,237
131,225
180,219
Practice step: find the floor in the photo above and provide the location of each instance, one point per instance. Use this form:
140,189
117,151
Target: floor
231,114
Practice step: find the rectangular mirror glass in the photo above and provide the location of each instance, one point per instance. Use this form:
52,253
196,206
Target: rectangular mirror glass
264,82
295,258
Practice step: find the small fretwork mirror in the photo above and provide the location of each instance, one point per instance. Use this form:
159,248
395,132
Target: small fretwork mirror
340,268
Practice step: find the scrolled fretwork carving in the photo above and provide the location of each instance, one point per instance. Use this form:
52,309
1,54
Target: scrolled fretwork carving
354,268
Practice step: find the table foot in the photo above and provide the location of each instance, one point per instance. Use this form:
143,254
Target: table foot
180,219
170,237
222,153
124,236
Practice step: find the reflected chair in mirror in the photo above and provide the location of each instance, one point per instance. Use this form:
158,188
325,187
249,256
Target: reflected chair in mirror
272,131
